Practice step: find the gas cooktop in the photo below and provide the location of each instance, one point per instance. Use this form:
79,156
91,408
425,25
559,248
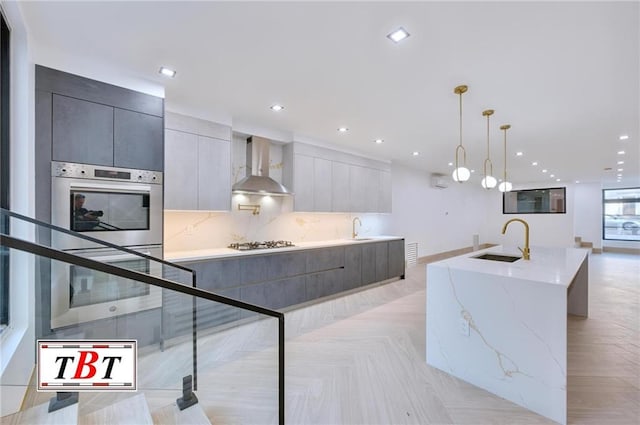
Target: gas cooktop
246,246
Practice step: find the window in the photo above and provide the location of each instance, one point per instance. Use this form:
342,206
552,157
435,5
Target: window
621,218
535,201
4,166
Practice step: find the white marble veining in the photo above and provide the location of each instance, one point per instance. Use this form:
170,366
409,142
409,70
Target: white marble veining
202,254
503,326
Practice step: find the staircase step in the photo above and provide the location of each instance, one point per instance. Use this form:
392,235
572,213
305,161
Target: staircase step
172,415
40,415
130,411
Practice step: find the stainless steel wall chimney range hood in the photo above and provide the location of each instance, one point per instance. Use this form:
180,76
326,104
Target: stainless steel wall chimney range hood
258,181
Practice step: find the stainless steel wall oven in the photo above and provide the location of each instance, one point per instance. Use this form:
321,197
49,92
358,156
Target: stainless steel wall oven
116,205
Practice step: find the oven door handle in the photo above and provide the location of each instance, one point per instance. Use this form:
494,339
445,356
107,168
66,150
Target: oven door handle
119,257
133,187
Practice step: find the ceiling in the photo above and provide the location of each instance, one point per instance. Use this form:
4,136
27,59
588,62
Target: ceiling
565,76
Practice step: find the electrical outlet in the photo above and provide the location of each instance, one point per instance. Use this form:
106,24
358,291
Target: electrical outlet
463,326
189,230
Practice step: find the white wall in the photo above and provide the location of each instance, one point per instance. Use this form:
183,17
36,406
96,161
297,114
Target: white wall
18,339
437,219
587,217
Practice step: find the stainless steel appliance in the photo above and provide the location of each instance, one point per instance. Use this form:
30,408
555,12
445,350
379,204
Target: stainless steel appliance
81,295
116,205
246,246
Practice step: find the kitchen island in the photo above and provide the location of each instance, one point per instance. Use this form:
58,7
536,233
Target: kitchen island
502,326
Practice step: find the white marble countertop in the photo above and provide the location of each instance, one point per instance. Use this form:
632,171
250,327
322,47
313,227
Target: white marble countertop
203,254
547,264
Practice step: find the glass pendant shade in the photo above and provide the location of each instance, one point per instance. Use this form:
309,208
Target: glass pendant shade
505,187
461,174
489,182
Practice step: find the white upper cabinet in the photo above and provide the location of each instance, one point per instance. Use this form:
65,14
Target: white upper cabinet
326,180
197,164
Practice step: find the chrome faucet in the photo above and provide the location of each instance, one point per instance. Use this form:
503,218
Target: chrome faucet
353,229
526,252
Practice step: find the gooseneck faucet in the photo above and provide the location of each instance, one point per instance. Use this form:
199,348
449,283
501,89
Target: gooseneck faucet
353,228
526,253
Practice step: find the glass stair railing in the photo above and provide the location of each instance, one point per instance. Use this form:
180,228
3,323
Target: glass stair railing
230,352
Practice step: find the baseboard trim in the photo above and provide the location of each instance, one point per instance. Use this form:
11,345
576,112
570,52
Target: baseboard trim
621,250
448,254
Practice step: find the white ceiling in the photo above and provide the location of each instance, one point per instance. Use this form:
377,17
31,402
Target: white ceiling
564,75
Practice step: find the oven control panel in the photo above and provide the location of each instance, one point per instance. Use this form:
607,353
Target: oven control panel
100,172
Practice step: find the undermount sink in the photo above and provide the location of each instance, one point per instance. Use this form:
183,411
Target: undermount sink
498,257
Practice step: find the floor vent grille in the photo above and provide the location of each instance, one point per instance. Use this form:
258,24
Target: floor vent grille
412,254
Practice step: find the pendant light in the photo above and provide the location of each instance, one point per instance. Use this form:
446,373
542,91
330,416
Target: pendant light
488,181
461,173
505,186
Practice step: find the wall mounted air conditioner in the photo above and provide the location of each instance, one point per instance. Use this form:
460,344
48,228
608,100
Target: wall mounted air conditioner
439,181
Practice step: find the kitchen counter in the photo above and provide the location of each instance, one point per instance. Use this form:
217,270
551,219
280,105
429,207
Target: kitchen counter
204,254
503,326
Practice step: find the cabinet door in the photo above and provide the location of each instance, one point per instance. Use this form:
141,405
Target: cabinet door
357,184
181,178
396,258
352,267
214,174
371,189
340,187
303,178
384,192
382,260
81,131
138,140
368,263
322,185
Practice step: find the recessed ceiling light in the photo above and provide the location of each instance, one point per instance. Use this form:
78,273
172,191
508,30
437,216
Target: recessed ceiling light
619,175
451,164
534,163
473,171
624,137
277,107
620,152
577,181
343,129
167,72
544,171
620,169
620,162
378,141
557,180
552,175
416,153
518,153
398,35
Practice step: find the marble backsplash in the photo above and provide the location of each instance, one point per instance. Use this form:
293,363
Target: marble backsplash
193,230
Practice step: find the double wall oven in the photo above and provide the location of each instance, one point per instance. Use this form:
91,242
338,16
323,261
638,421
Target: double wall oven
116,205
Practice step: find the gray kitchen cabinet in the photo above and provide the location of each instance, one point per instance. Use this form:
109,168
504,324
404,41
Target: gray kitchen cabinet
384,192
180,176
340,187
303,188
82,131
214,174
138,140
281,280
94,133
396,258
352,277
197,172
368,263
382,260
329,180
322,185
